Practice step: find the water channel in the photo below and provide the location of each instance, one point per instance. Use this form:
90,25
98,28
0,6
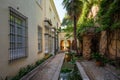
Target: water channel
69,71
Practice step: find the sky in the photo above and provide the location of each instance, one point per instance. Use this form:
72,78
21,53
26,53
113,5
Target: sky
60,10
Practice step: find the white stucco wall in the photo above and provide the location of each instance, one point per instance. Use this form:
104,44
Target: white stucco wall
30,9
36,15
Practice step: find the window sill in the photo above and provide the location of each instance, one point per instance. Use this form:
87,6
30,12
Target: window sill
15,59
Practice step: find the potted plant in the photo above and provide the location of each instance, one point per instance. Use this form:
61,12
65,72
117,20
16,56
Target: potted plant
68,57
100,59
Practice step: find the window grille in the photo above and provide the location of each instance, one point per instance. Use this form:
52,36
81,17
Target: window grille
18,35
46,43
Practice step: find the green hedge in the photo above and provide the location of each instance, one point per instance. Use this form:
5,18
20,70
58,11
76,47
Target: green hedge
23,71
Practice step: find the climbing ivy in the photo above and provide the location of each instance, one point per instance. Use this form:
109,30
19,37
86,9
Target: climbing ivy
84,22
109,14
84,13
83,27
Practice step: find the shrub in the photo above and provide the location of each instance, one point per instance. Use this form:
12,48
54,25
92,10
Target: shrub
23,71
100,57
65,70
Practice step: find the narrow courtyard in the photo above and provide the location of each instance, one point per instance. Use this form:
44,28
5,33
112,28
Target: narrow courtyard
51,69
60,40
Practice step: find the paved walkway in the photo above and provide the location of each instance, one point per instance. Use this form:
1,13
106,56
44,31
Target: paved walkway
99,73
51,70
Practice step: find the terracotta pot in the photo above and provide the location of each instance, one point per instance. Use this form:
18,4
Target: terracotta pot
99,63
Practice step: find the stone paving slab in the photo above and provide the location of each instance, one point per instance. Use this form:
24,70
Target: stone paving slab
51,70
98,73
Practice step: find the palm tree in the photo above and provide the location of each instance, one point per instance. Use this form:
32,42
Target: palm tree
74,9
68,23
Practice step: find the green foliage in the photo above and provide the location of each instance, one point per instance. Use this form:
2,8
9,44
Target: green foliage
84,14
107,15
84,23
68,35
84,27
67,22
68,29
75,75
73,7
39,62
70,72
59,29
97,56
23,71
100,57
65,70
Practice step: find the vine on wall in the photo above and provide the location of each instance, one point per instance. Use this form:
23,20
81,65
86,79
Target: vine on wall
109,14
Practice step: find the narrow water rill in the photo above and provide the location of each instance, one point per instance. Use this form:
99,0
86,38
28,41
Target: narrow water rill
69,71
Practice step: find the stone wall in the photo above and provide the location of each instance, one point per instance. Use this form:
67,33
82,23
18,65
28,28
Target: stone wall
87,46
109,44
113,44
103,42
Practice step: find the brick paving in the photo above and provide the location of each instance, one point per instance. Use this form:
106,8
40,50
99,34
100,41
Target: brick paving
51,70
99,73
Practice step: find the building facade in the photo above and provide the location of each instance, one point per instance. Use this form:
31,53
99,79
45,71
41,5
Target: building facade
65,43
28,31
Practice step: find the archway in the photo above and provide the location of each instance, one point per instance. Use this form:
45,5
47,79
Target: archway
65,44
62,45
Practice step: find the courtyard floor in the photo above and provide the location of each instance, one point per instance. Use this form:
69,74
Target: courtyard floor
50,70
94,72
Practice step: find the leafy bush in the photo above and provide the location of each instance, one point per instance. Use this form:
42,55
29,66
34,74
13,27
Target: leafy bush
65,70
23,71
75,74
108,8
99,57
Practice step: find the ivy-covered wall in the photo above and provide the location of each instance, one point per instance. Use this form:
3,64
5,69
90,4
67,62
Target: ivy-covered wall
108,23
109,26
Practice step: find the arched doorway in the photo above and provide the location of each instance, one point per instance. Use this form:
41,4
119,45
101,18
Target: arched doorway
65,44
62,45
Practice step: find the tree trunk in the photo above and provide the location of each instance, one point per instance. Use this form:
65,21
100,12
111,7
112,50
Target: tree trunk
75,38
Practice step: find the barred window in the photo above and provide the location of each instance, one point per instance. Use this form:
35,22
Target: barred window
39,39
18,35
46,43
